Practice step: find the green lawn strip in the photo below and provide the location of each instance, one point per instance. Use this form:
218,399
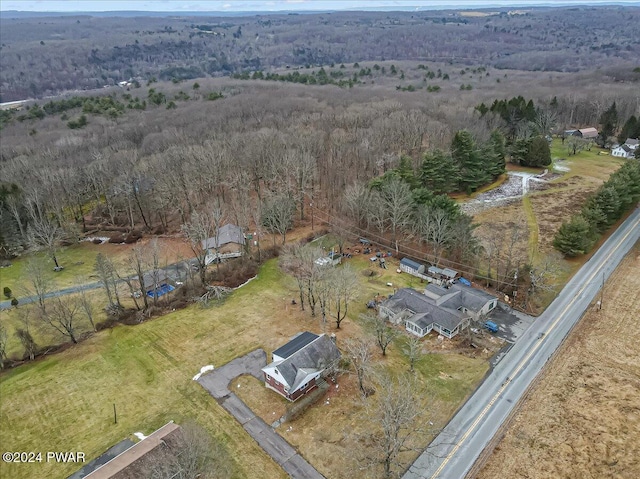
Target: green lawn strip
533,228
77,260
44,335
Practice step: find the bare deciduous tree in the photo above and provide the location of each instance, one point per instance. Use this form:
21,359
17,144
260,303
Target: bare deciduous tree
277,214
414,351
384,333
28,343
359,353
39,283
396,425
44,232
87,306
64,316
107,276
203,227
344,289
190,454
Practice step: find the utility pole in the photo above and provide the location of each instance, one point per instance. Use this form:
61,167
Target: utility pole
115,416
311,205
602,291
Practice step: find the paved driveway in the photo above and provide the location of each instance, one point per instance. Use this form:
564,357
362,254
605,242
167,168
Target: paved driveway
217,383
512,324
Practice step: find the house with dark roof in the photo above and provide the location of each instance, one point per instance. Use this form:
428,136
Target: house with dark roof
626,150
296,366
227,243
445,310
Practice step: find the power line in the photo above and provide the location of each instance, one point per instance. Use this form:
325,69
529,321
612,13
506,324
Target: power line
382,243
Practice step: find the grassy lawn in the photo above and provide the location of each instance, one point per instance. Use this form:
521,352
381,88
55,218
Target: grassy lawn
78,261
335,424
65,402
533,228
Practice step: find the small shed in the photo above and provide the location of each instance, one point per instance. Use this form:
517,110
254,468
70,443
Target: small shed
434,271
412,267
449,274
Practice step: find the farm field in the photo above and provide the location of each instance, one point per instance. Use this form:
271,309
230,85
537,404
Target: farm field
146,371
581,419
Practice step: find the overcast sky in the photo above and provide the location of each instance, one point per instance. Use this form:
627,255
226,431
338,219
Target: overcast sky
271,5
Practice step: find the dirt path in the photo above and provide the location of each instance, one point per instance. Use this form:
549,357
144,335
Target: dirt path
583,418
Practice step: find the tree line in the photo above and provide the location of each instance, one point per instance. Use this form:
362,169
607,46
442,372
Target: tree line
45,58
613,199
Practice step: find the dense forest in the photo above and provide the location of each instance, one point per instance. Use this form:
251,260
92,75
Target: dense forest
48,55
146,159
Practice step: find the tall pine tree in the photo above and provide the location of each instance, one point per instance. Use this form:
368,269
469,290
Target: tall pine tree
538,153
473,171
495,152
608,124
438,172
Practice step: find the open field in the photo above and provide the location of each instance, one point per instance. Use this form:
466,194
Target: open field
65,402
581,419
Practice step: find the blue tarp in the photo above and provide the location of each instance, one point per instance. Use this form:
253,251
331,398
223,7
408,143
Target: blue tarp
161,290
466,282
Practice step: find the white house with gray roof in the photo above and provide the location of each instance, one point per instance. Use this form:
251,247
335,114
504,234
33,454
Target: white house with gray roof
447,311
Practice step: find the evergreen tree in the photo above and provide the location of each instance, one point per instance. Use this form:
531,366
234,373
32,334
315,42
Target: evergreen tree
538,153
630,129
473,172
495,153
572,239
405,171
609,123
438,172
519,149
608,200
596,218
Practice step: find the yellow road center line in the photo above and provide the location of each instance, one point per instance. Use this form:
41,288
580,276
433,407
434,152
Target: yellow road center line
526,358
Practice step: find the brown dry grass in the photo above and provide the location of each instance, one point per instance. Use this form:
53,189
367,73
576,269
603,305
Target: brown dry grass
556,205
582,419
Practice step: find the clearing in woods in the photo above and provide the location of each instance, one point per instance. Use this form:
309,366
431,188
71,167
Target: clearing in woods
581,419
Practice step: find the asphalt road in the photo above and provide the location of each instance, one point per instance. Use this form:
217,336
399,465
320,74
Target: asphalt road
454,451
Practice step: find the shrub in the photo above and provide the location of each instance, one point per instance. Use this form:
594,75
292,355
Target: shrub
7,292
